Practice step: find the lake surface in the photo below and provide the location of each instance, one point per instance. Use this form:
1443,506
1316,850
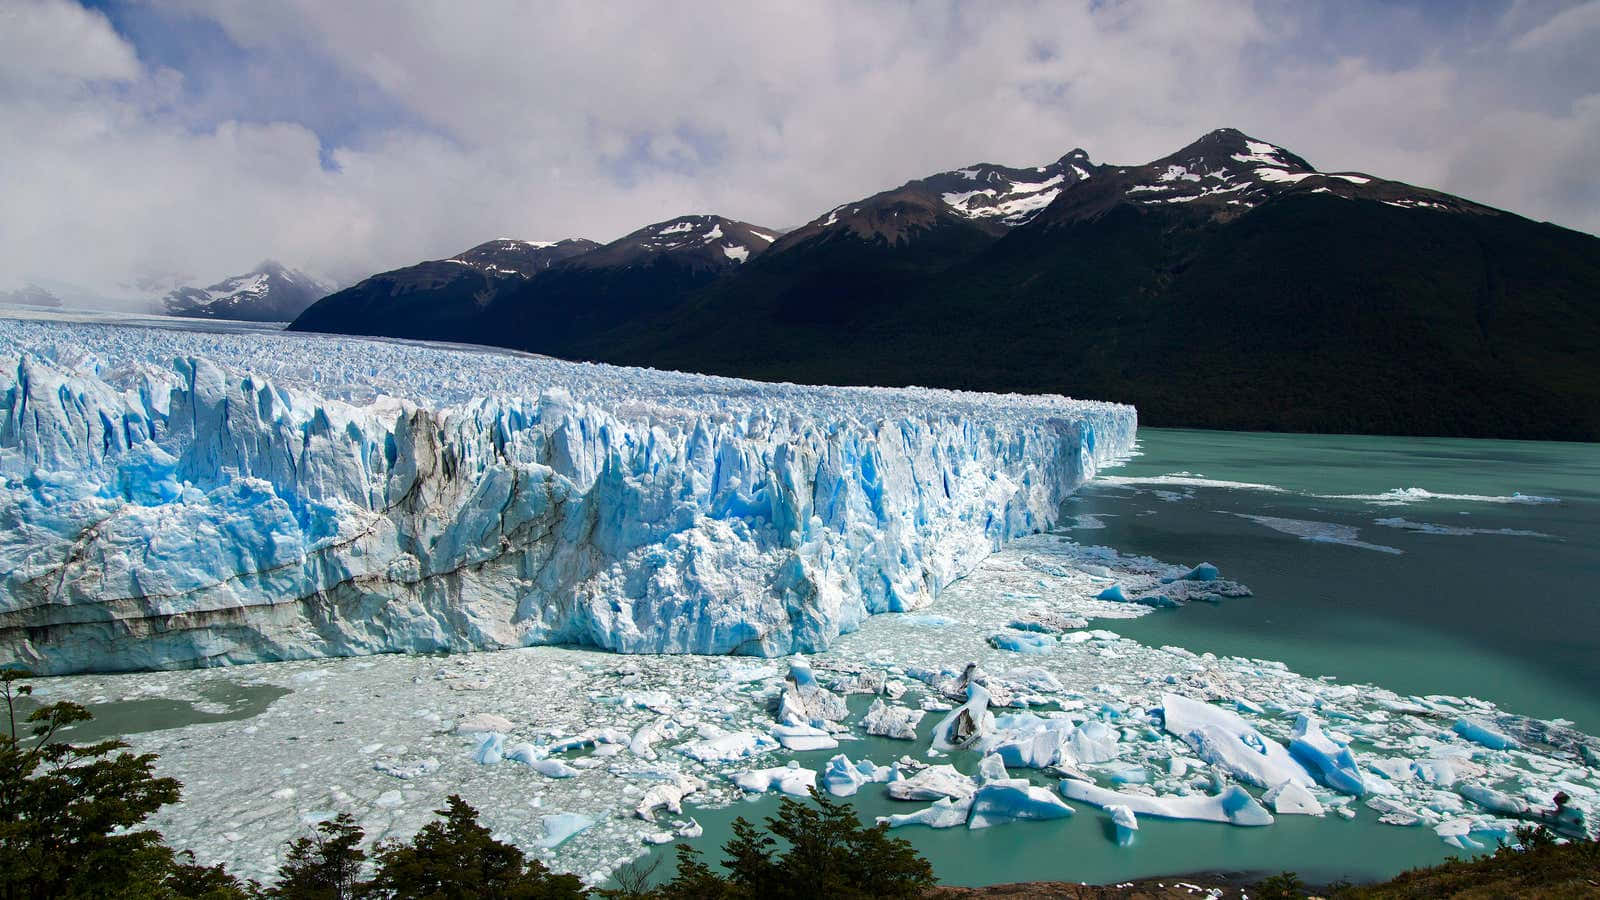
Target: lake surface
1513,618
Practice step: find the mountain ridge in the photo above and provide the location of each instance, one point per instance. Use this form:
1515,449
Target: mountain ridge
1229,285
271,292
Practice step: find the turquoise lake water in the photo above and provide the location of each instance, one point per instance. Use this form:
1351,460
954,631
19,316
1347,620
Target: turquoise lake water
1511,618
1508,617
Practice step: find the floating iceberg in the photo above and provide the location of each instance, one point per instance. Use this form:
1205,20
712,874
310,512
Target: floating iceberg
727,747
1022,641
842,778
559,827
183,499
1481,733
807,703
886,720
491,749
803,737
1494,801
667,796
791,779
1330,761
1234,805
1125,823
1014,800
944,813
1027,741
482,723
966,724
1292,799
933,783
1225,740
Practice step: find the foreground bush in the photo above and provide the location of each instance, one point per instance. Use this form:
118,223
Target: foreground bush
1541,869
1536,868
69,815
805,851
454,858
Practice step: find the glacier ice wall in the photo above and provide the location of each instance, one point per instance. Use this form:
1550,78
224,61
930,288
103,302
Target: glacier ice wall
175,498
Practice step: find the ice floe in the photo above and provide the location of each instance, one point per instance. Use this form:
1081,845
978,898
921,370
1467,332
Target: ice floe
1319,532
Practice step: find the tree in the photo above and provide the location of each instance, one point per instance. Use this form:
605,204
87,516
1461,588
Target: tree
1282,886
694,880
457,859
69,815
324,866
824,852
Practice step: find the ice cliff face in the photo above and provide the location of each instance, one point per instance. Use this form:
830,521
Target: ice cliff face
173,499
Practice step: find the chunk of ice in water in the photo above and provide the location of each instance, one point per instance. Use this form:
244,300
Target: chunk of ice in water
1485,734
1013,800
1330,761
1233,805
1122,819
560,827
891,721
1292,799
945,812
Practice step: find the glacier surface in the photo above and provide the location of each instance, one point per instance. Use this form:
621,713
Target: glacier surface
175,499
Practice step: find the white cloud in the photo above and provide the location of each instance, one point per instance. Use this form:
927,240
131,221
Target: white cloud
1570,25
582,119
43,39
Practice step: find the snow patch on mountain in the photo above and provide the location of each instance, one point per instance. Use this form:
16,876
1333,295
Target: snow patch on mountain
271,292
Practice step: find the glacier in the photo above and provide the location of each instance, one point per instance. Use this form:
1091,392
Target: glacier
175,499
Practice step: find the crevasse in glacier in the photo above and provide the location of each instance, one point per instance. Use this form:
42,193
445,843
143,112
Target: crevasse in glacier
173,498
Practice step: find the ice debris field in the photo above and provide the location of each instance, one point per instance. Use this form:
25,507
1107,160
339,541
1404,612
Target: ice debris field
181,498
589,758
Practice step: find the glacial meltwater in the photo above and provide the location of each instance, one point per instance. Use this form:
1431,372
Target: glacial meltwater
1418,597
1495,592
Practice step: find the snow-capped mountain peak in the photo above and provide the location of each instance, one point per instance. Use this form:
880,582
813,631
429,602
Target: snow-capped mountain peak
271,292
1226,173
699,241
29,294
996,198
1004,196
522,259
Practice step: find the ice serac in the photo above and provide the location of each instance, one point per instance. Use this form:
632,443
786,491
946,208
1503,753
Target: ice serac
175,499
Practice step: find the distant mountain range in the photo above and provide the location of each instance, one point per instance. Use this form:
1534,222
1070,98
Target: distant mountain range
268,293
1228,285
30,294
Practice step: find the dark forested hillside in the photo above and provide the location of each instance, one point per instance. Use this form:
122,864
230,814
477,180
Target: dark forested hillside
1229,285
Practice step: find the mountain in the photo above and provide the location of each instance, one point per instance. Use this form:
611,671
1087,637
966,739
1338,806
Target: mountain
268,293
441,299
581,287
30,294
1226,174
1227,285
644,274
984,198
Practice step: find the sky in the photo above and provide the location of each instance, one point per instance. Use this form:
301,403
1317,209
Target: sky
150,143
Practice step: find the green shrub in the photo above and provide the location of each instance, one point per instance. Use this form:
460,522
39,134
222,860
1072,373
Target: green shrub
805,851
70,815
